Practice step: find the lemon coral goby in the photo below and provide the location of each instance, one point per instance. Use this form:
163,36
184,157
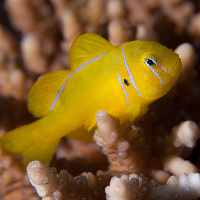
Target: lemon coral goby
123,80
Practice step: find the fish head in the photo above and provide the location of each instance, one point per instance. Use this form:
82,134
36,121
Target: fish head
152,69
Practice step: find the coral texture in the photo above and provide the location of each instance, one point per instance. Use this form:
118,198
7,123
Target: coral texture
125,148
14,182
35,38
133,187
49,185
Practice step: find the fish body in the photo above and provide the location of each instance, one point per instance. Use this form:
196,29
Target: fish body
122,80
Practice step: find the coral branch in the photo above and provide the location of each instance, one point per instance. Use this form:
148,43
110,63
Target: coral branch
125,147
188,59
177,165
186,134
14,182
13,76
133,187
49,185
8,43
34,57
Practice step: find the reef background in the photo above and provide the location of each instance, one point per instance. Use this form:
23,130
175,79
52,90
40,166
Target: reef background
35,38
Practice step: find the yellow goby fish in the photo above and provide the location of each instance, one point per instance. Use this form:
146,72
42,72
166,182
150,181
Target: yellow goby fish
123,80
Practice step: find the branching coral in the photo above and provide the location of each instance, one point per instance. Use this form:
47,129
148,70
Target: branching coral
127,187
49,185
188,58
13,76
8,43
10,72
39,30
115,141
133,187
34,17
194,27
125,148
14,183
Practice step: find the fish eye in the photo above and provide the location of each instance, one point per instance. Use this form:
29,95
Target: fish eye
126,82
150,62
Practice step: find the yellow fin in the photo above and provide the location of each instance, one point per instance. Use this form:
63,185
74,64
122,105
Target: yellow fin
87,47
44,91
35,141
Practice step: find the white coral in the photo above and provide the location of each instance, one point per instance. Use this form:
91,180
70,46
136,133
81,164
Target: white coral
133,187
186,134
130,187
182,188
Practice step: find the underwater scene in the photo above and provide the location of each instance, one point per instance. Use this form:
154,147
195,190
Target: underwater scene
99,99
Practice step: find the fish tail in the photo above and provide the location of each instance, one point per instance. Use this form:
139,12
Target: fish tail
35,141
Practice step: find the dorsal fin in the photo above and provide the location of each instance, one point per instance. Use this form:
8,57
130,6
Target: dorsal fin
44,91
87,47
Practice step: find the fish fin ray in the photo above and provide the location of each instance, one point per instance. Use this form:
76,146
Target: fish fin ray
90,122
44,91
87,47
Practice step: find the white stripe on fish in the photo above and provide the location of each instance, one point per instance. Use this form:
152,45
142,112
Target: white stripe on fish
76,70
124,90
129,72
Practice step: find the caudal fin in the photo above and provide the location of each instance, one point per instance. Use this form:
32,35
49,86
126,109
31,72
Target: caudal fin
34,141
